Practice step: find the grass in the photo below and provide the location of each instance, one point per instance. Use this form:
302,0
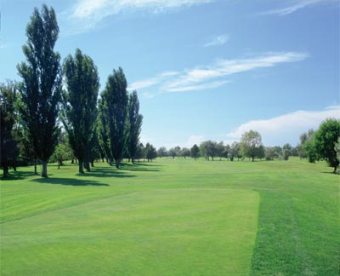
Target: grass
172,217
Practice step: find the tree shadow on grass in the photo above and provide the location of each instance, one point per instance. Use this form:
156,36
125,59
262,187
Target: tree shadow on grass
69,182
106,172
140,167
18,175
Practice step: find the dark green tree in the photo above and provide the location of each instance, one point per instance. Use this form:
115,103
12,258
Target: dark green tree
80,105
41,86
208,149
325,140
103,131
9,149
115,96
151,152
134,125
195,151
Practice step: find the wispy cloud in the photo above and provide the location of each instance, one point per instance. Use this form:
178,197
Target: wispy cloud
287,127
298,5
91,12
217,41
214,75
142,84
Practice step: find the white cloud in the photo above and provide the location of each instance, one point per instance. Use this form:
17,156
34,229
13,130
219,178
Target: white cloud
217,41
91,12
286,128
298,5
138,85
213,76
194,139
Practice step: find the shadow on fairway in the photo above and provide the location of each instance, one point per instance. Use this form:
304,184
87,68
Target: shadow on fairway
106,172
140,167
69,182
18,175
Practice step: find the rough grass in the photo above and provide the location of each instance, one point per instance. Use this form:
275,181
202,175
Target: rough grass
172,217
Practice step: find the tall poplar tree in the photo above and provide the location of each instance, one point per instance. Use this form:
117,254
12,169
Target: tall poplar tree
80,105
115,96
41,85
8,145
134,125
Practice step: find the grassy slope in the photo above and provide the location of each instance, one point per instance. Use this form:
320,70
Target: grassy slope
173,217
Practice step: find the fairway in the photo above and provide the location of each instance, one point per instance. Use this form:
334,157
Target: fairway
172,217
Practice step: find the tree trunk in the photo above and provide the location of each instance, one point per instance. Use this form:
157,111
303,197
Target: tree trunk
44,168
81,166
252,159
87,166
117,163
5,169
92,163
35,167
335,169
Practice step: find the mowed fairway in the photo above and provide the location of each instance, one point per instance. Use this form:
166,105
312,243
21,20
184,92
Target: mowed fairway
173,217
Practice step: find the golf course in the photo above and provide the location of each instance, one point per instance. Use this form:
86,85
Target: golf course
172,217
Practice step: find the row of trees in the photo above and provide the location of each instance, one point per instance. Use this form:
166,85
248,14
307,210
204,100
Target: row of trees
323,144
250,146
34,110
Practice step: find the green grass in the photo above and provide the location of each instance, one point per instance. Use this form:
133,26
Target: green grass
172,217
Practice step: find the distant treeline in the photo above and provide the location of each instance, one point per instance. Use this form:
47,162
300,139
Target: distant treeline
323,144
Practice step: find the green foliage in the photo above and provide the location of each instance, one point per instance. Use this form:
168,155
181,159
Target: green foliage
41,86
115,99
235,151
8,145
79,102
325,139
251,145
185,152
162,152
134,125
208,149
195,151
151,152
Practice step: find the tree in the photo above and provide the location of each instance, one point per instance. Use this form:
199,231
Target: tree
208,149
79,102
162,152
325,139
337,149
135,124
234,151
195,151
140,154
41,86
173,152
305,137
151,152
103,131
185,152
286,151
220,150
116,100
251,144
9,149
62,150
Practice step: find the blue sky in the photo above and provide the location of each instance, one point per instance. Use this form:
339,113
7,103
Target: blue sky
203,69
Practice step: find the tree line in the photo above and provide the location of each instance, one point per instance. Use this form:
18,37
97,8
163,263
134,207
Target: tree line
322,144
56,108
